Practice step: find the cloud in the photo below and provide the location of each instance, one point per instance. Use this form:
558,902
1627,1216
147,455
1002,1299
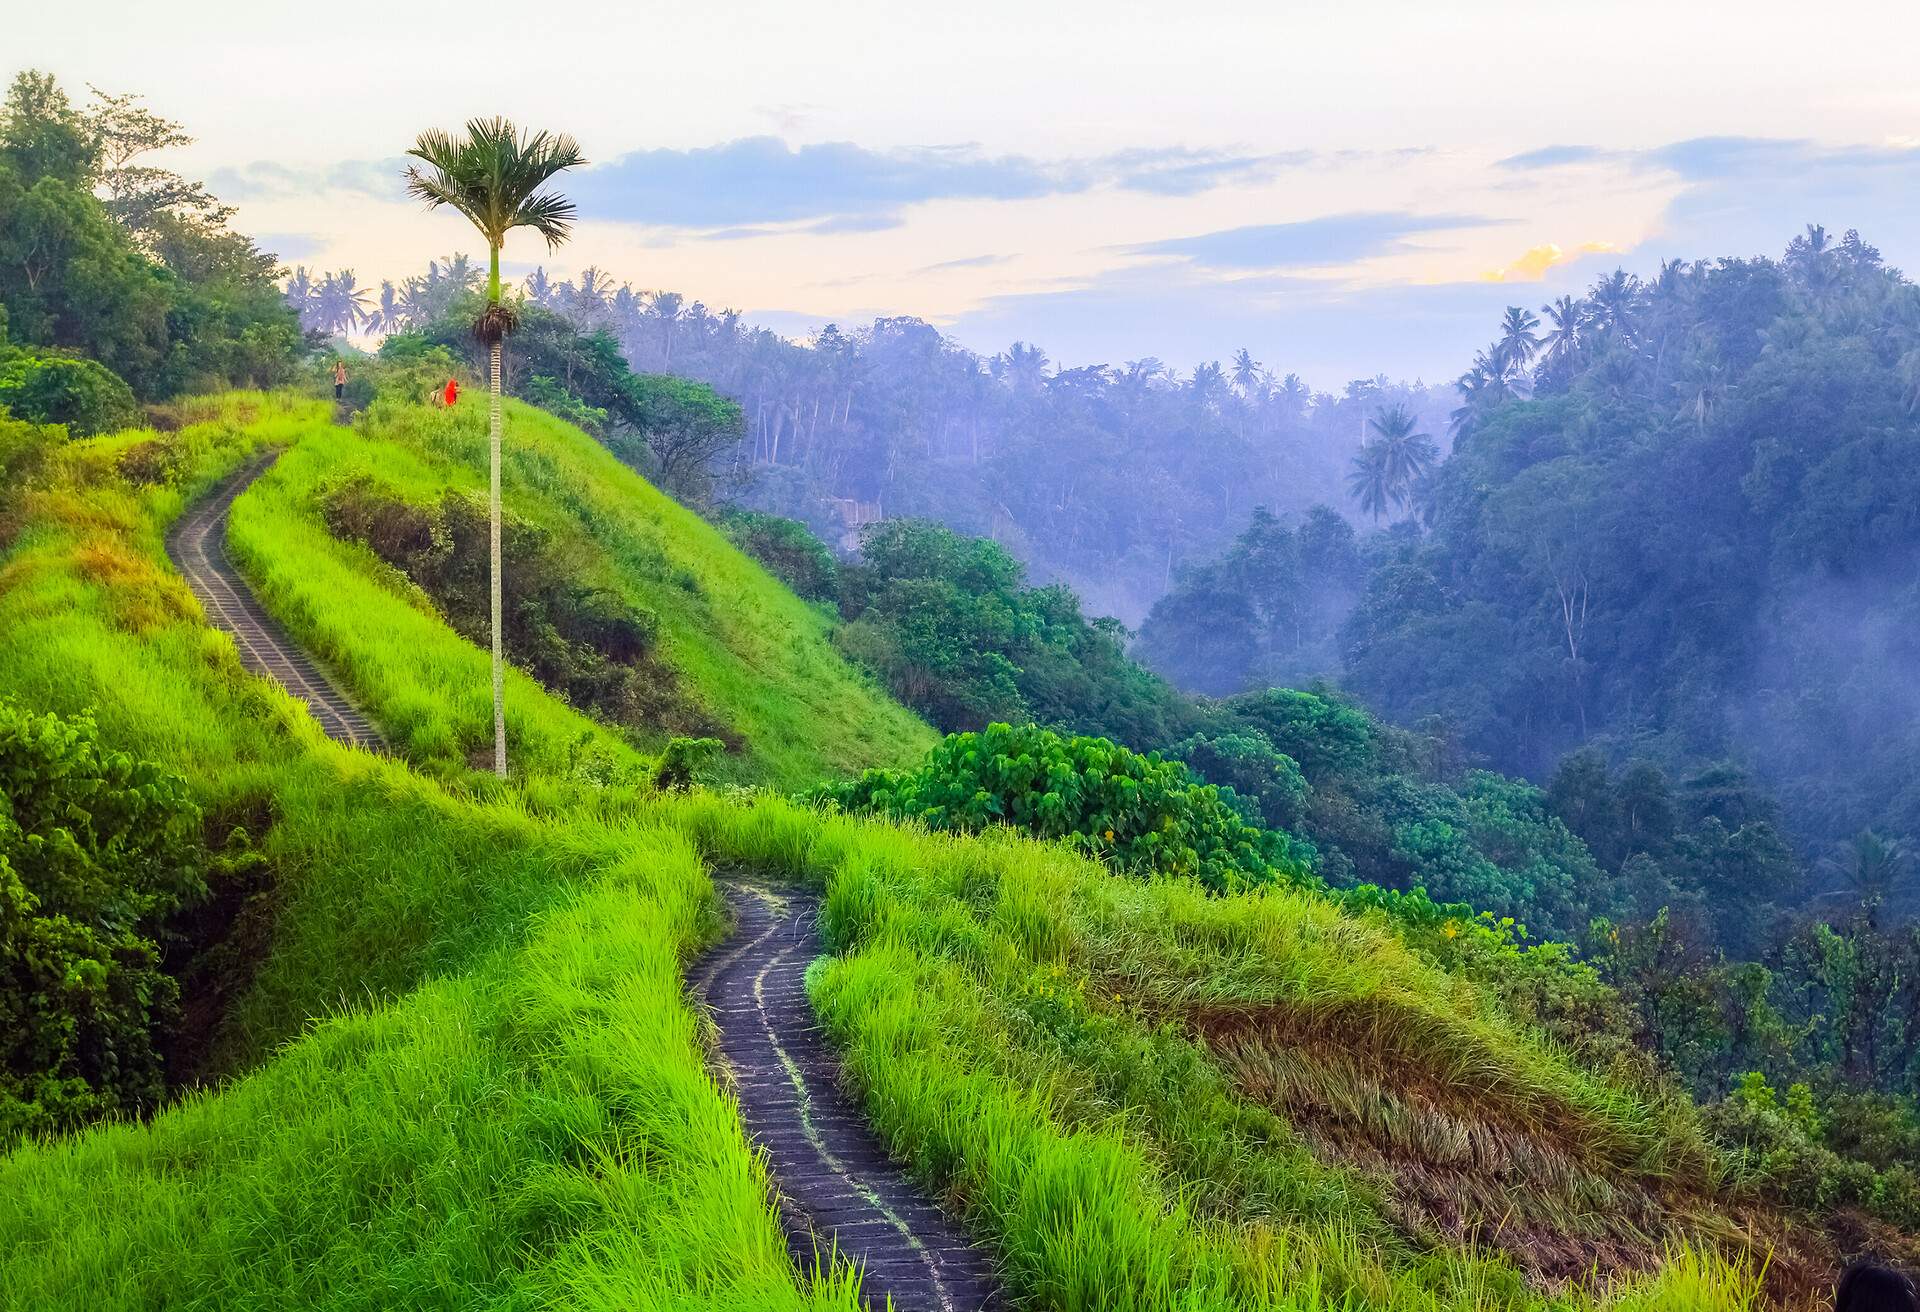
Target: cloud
1310,243
759,180
1551,157
970,262
1325,330
1182,172
1533,264
268,180
735,187
289,247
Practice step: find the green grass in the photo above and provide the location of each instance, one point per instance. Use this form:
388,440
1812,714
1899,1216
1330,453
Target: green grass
466,1075
751,654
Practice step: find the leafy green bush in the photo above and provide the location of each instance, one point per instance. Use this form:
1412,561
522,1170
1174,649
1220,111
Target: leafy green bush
55,389
1779,1144
556,400
684,761
581,641
1139,813
1270,782
96,850
790,552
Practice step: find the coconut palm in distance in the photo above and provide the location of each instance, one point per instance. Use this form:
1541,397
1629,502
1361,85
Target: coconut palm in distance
493,176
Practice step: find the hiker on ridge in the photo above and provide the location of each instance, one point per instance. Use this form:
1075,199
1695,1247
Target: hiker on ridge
339,379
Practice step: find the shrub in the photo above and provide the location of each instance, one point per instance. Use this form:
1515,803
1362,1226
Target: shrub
1139,813
96,850
54,389
583,642
684,761
789,551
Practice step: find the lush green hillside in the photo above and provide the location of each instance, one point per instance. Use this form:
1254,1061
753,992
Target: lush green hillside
463,1071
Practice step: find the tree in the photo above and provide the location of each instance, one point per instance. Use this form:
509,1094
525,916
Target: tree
1371,481
1518,342
1408,453
43,136
494,177
1568,316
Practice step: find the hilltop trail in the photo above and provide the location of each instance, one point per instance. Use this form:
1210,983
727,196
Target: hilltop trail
837,1188
197,545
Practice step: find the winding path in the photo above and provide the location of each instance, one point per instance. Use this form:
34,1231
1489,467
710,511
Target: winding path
197,545
837,1189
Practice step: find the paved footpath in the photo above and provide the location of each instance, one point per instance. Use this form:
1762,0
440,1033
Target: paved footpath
198,548
837,1188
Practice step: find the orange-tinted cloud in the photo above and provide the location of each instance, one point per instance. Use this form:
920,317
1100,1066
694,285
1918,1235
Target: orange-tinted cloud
1533,265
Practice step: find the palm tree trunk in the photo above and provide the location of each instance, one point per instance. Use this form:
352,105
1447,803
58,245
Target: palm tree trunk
493,506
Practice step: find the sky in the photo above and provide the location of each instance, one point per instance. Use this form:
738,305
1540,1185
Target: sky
1345,189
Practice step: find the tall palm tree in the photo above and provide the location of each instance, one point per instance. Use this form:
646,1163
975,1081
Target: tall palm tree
1567,316
1369,483
494,176
385,317
1246,372
1518,343
1406,453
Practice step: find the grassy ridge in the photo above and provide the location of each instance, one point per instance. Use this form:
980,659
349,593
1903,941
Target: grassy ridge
753,655
1004,1009
503,1100
491,1090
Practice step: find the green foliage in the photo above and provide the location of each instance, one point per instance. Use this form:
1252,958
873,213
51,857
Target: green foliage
514,1107
789,551
1269,782
1139,813
1780,1145
81,394
669,428
1264,613
684,762
945,621
97,849
582,642
75,279
562,404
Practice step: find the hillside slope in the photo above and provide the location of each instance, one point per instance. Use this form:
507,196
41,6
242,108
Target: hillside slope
465,1071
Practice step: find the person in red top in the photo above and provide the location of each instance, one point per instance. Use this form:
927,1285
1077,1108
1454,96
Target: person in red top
452,393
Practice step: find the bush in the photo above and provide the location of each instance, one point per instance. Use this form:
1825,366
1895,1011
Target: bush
1139,813
580,641
54,389
96,850
788,550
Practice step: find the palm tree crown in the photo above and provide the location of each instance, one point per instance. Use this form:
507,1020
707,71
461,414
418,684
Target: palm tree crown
494,176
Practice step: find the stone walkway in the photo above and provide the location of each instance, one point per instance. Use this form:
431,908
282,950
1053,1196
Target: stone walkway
838,1190
198,548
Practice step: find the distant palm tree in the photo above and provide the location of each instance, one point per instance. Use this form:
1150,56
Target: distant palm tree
666,308
386,316
1208,384
1024,367
1406,453
586,301
1875,866
340,303
1614,303
1568,317
494,176
1369,481
458,272
1518,344
300,294
1246,372
539,287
